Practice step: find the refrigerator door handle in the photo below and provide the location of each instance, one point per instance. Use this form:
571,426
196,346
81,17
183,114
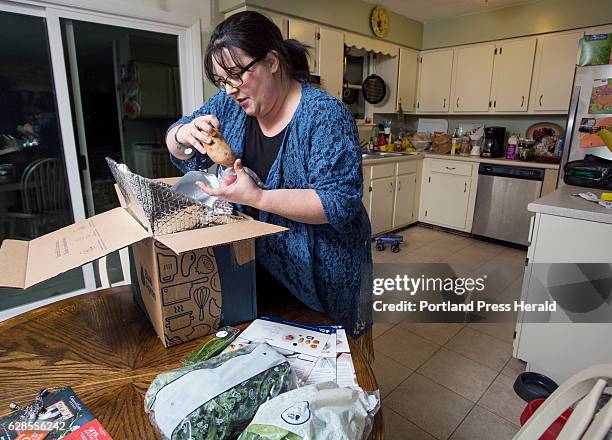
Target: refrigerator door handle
569,131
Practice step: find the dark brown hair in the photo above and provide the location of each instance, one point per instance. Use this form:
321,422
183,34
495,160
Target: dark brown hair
256,35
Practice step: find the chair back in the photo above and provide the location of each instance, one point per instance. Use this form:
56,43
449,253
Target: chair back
44,187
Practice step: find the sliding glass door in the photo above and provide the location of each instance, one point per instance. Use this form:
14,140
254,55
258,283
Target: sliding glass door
77,87
33,175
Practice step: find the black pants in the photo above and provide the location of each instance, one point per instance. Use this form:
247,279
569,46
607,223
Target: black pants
270,292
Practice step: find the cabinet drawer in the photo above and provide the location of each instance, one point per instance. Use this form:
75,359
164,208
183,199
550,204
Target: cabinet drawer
406,167
451,167
383,170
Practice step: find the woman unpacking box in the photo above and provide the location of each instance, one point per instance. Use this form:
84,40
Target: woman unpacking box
302,142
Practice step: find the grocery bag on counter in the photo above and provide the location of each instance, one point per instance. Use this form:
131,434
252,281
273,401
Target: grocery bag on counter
322,411
217,398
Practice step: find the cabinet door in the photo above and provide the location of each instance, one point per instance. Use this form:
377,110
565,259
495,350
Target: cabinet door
367,189
447,199
554,75
403,213
434,81
381,213
473,73
406,80
279,21
306,33
512,75
331,61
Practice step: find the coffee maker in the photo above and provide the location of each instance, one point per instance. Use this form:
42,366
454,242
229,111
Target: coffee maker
493,142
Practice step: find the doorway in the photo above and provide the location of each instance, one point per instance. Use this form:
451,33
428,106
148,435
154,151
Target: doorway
77,87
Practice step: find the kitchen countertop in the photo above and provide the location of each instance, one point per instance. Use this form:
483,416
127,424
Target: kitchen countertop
563,204
379,160
496,161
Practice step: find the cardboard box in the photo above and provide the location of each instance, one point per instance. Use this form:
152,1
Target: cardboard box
189,282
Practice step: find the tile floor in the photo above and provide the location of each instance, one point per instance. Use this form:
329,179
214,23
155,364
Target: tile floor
450,381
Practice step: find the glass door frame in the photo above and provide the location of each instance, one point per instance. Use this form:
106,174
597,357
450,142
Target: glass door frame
187,30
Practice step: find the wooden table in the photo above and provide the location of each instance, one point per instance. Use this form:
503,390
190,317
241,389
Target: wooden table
102,345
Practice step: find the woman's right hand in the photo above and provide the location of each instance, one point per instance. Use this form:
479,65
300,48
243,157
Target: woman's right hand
199,132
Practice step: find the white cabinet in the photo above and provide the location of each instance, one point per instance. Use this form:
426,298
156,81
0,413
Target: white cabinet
307,33
512,75
390,192
381,214
367,189
331,59
435,74
405,193
472,78
407,80
554,69
448,190
560,348
279,21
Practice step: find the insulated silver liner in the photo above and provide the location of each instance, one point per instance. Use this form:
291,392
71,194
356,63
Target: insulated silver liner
163,211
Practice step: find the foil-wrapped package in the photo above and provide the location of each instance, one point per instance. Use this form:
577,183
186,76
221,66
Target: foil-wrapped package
162,210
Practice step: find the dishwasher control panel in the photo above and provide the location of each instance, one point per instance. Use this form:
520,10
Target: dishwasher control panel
511,171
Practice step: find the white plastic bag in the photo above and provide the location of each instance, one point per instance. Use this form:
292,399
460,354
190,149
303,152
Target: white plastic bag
322,411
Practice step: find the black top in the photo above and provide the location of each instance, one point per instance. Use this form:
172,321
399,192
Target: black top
259,154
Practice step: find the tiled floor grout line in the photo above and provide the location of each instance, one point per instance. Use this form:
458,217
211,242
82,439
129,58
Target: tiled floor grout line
412,423
490,385
414,371
375,338
485,333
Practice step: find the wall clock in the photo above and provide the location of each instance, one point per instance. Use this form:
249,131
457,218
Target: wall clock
379,21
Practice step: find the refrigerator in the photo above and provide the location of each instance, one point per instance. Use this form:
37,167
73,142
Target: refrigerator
585,79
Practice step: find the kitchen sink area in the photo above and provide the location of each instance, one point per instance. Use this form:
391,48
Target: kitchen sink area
383,154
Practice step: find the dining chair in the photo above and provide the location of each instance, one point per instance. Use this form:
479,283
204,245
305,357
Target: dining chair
583,390
44,199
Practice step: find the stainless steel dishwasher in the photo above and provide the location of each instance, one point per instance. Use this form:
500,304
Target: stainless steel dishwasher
501,201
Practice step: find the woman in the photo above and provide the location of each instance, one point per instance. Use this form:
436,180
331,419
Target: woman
303,144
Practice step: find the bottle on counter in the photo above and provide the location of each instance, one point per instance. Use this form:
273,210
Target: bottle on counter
456,141
382,142
511,149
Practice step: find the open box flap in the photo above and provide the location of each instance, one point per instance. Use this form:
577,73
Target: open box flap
69,247
13,263
216,235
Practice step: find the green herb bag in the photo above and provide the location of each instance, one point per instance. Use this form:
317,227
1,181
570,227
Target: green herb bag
595,50
322,411
217,398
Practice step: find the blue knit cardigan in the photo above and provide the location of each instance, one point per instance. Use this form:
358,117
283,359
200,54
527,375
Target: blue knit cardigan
322,265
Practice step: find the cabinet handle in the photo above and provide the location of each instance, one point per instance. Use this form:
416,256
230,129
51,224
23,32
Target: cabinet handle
444,105
450,168
390,187
399,185
464,187
522,100
370,190
457,102
495,103
541,96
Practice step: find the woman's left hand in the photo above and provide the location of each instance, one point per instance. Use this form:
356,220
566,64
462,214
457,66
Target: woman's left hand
243,191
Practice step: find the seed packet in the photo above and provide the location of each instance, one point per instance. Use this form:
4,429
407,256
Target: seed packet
595,50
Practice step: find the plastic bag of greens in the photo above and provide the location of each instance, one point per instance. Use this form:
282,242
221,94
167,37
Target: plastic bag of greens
595,50
217,398
315,412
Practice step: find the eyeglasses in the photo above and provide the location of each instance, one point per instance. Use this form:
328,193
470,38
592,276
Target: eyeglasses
235,79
